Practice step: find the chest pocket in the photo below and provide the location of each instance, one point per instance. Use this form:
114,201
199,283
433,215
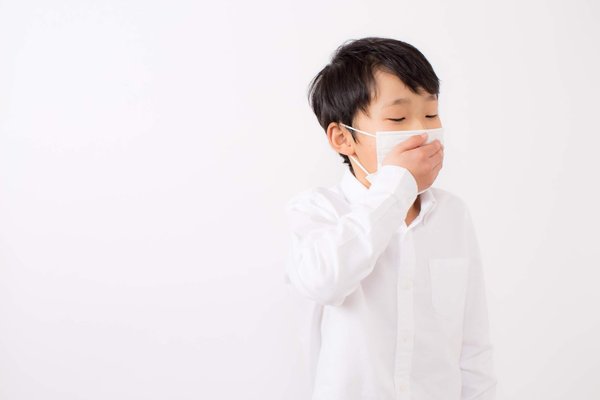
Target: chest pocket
449,277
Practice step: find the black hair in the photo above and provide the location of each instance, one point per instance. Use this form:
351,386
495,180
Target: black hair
347,83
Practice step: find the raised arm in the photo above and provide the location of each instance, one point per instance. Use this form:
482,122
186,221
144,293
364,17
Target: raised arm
329,255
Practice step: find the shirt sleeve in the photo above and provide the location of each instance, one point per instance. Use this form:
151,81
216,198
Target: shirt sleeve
329,255
476,360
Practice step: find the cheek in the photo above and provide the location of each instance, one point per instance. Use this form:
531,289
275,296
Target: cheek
368,155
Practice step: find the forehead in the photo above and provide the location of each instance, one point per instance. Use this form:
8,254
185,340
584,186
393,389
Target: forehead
390,91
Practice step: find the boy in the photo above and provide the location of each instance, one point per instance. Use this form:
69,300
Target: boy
391,265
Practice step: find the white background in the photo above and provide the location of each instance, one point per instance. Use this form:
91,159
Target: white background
147,149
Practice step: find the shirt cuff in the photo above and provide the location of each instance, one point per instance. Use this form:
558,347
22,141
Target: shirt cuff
397,181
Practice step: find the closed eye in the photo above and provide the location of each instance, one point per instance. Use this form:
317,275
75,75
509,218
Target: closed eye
401,119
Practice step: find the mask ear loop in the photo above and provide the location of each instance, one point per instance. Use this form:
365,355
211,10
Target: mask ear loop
358,130
354,158
360,165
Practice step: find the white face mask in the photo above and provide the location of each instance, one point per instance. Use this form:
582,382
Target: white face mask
386,140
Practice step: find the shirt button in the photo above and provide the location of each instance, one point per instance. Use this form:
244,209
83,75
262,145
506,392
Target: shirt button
406,284
402,387
405,339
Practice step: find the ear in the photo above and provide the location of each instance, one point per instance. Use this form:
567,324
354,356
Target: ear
340,139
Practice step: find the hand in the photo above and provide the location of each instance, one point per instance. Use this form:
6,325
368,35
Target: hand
424,161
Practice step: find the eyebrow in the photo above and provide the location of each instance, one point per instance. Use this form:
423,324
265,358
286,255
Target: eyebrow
402,100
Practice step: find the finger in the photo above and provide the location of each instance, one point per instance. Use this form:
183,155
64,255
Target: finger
432,148
412,143
439,152
437,158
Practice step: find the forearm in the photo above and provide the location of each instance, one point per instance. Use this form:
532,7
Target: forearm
329,255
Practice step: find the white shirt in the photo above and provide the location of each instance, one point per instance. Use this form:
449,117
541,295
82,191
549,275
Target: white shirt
398,312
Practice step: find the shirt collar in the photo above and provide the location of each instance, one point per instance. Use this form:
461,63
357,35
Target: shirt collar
354,191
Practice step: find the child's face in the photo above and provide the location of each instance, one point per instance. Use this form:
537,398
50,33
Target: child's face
384,114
